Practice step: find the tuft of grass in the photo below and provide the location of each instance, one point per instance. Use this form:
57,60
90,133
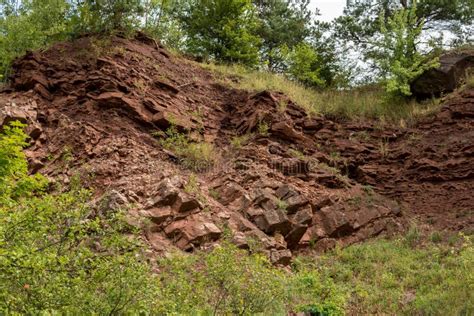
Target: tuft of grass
296,154
238,141
470,81
199,157
263,128
281,205
364,102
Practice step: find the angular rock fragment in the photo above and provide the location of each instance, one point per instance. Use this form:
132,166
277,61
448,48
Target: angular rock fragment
185,202
281,257
192,231
158,215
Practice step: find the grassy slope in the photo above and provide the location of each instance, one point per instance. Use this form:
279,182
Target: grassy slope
369,102
397,277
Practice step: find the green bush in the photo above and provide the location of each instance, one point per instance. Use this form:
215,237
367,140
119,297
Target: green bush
226,281
58,256
30,25
399,58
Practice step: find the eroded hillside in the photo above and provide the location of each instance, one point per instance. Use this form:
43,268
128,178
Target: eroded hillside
265,173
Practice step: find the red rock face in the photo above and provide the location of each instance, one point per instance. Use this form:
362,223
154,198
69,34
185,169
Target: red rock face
284,191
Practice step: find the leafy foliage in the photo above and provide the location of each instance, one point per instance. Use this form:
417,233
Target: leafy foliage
304,65
28,25
106,16
222,30
398,57
56,254
284,24
225,281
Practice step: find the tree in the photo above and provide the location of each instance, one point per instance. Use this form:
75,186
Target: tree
106,16
304,65
28,25
223,30
284,23
397,55
359,29
361,18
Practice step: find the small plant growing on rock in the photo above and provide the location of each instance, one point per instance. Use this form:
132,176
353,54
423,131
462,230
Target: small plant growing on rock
141,86
192,186
297,154
281,205
282,105
194,156
214,194
263,128
384,148
238,141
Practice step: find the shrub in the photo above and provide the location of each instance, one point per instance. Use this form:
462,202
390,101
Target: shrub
56,255
30,25
225,281
399,59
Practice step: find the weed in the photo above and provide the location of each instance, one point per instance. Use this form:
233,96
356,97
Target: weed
67,155
282,105
470,82
368,189
414,138
214,194
362,135
99,47
384,148
355,201
413,236
297,154
263,128
436,237
141,85
192,185
195,156
238,141
281,205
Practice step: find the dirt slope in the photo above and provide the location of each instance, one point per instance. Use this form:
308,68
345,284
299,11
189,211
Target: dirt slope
95,110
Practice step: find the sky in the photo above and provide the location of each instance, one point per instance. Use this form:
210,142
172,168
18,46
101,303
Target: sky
329,9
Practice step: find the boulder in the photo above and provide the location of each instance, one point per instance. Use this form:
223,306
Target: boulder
158,215
273,220
192,231
446,78
185,202
294,236
281,257
167,194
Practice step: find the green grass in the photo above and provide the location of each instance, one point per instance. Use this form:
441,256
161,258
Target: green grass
399,278
368,102
196,156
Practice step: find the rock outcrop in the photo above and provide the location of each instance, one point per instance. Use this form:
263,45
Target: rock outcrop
297,183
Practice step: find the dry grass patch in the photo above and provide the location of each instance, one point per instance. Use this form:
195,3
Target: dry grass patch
367,102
